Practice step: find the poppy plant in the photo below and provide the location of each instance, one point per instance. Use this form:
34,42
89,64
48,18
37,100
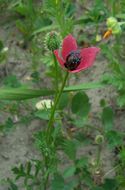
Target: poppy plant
73,59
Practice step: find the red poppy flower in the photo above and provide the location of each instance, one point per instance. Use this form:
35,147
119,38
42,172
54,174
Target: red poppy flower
74,59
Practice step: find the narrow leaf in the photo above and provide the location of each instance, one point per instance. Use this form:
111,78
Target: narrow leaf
22,94
85,86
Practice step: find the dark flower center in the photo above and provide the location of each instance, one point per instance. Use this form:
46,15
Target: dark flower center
72,60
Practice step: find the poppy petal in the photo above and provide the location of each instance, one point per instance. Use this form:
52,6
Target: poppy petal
69,44
60,60
88,56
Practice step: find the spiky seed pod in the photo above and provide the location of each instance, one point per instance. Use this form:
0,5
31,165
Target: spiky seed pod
52,40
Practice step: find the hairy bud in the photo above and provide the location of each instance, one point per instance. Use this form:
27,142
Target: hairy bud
52,41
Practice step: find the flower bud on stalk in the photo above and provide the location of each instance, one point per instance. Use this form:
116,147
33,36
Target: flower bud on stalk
114,27
52,41
99,139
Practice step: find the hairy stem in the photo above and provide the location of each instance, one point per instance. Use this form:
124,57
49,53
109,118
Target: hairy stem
56,72
98,156
51,120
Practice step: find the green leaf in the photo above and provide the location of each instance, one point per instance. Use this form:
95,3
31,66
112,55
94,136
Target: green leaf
121,100
122,155
85,86
79,122
58,182
80,104
107,118
86,177
42,114
97,188
29,166
44,29
19,171
82,162
13,186
69,171
8,125
110,184
121,16
21,9
64,100
114,138
69,147
22,94
71,185
12,81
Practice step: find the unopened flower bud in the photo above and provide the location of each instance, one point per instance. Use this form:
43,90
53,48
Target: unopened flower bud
114,25
111,22
52,41
99,139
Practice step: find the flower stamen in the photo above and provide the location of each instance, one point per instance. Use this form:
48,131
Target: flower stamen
72,60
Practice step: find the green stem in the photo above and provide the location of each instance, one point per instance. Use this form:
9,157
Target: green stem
98,156
57,98
46,182
56,72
